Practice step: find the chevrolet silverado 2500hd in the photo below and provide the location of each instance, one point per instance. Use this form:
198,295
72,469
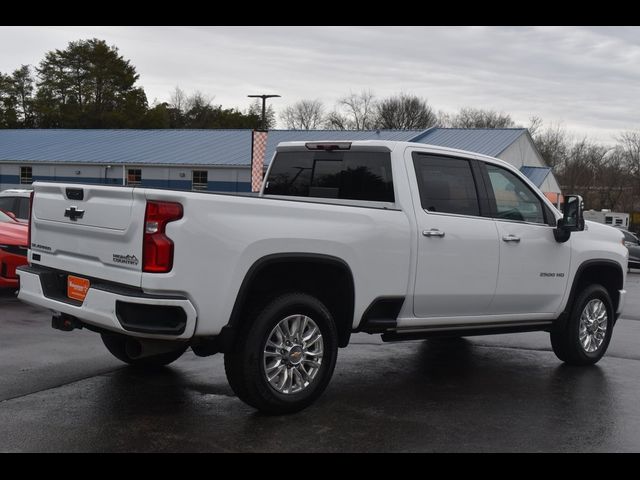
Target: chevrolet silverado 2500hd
399,239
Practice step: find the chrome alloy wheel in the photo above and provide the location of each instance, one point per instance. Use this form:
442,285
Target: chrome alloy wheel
292,355
593,325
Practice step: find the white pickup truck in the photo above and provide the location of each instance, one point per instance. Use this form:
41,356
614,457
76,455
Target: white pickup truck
399,239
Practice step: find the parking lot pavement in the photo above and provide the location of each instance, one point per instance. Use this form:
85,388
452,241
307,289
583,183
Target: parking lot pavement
64,392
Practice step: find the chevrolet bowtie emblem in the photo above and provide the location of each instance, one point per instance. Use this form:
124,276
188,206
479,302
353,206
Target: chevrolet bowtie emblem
73,213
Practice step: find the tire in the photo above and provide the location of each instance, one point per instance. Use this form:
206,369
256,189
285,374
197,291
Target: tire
116,343
247,366
566,338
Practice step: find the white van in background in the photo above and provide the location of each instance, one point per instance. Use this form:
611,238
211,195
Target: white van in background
607,217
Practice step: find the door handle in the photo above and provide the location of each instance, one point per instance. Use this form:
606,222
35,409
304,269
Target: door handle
511,238
434,232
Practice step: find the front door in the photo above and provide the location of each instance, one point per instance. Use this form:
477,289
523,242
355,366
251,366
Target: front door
534,268
458,248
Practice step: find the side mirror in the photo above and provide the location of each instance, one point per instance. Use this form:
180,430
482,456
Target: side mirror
572,218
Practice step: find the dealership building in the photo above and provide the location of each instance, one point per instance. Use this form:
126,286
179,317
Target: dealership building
219,160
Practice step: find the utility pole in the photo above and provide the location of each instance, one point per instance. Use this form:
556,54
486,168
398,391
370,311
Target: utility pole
264,110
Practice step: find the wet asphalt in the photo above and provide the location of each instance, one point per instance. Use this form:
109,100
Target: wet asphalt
62,392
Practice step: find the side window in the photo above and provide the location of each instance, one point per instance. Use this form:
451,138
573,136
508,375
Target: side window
23,208
446,185
514,198
341,175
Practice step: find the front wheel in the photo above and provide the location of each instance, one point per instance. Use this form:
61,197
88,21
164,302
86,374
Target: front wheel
585,337
285,355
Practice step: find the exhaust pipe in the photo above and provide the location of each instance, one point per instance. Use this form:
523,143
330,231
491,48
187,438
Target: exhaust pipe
136,349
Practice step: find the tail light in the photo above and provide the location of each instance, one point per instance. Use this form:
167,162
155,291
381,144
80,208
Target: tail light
328,146
157,248
30,219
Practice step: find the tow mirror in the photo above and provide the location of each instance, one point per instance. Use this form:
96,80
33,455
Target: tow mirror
572,218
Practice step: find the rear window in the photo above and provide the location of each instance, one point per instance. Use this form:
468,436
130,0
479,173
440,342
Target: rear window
341,175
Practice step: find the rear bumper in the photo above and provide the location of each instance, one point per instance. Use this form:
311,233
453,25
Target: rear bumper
128,312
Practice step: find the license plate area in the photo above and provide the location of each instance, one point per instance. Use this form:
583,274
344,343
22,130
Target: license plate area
77,288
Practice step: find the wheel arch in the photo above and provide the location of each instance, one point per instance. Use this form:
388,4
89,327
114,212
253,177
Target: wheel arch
327,277
607,273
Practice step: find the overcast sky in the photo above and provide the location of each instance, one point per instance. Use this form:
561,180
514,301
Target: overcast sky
587,78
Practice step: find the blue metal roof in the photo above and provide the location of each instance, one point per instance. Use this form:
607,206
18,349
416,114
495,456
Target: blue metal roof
537,175
277,136
185,147
214,147
486,141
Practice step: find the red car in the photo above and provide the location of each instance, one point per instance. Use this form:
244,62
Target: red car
13,249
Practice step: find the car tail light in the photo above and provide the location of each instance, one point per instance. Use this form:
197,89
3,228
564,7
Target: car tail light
30,219
157,248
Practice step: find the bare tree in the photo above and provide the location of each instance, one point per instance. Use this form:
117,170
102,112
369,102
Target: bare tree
197,101
337,121
354,112
477,118
629,145
553,144
614,185
443,119
178,99
304,115
577,172
535,125
405,112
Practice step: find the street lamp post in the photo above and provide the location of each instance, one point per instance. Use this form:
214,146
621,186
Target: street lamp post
264,110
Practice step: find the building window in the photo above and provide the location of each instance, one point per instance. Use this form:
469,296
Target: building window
608,220
134,176
200,180
26,177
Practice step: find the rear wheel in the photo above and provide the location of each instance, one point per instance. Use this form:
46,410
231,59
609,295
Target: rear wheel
117,346
284,358
585,337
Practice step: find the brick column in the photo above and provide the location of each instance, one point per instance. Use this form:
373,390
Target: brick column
258,150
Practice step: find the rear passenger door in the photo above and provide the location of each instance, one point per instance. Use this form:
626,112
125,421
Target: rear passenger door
534,267
458,250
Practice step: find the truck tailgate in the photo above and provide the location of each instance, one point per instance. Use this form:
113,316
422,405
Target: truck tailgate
89,230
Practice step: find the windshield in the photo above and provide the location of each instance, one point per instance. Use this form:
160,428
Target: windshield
4,218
